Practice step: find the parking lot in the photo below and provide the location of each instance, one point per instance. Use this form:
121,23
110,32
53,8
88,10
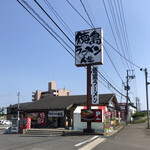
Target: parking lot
37,142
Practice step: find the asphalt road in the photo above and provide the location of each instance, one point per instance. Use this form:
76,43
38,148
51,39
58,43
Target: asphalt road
30,142
132,137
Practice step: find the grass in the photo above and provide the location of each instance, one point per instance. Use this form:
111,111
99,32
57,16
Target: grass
140,120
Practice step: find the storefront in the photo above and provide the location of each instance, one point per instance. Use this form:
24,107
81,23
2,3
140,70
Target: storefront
55,112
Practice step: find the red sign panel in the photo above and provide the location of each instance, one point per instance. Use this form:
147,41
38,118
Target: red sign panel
123,111
98,115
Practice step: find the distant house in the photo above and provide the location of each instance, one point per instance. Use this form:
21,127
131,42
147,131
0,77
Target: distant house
51,92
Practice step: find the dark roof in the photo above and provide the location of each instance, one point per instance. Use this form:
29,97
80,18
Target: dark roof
20,105
65,102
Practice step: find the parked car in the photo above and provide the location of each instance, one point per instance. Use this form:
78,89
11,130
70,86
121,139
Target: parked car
1,122
6,122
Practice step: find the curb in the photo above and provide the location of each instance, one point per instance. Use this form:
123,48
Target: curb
115,131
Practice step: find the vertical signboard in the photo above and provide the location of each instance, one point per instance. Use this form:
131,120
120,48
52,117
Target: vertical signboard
89,47
123,111
95,97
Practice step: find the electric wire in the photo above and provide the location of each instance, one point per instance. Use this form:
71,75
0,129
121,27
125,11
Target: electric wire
111,84
87,13
125,28
121,24
86,21
104,38
7,95
122,32
120,6
78,13
44,26
59,18
90,10
62,31
65,47
113,64
112,11
109,77
113,32
53,21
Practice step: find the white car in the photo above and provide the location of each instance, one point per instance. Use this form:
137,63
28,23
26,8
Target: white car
1,122
6,122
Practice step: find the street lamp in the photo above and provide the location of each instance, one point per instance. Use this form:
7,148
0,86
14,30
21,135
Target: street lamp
146,83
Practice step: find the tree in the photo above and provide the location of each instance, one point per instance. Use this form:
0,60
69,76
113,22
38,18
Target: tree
2,111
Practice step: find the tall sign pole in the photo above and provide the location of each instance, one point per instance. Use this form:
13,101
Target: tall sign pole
88,96
88,52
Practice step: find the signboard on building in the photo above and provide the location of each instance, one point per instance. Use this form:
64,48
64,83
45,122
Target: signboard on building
59,113
123,111
37,118
94,115
89,47
95,97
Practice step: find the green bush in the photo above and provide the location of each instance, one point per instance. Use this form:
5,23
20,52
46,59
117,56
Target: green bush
139,114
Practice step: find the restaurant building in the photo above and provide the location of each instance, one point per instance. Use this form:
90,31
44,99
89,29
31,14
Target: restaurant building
54,112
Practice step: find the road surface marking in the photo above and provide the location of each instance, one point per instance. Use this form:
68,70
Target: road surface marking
79,144
93,144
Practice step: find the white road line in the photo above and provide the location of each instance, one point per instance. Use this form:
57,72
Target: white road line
93,144
79,144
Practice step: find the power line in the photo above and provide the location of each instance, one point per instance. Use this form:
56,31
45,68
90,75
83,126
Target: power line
7,95
62,44
59,18
110,78
112,31
87,13
113,64
111,84
79,13
121,54
117,27
53,22
103,38
43,26
124,23
121,23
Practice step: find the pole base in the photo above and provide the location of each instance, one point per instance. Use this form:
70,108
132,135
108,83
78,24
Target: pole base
88,130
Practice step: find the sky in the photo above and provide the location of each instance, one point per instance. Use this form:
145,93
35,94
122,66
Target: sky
30,57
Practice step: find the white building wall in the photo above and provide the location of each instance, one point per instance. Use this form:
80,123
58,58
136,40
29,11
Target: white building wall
79,126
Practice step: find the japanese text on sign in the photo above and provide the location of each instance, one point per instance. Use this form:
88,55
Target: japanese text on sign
88,47
95,98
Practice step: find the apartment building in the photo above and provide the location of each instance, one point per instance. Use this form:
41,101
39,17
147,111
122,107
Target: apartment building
52,91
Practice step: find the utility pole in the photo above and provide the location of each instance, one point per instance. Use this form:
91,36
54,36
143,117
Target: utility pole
137,104
18,103
146,84
127,98
127,88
